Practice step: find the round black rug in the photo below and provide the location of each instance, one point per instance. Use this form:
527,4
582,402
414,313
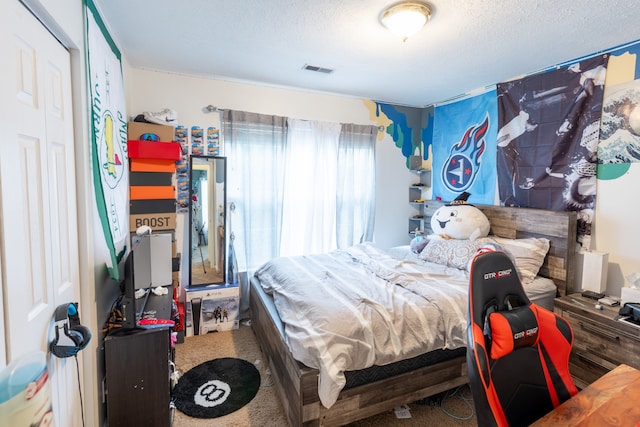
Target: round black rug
216,388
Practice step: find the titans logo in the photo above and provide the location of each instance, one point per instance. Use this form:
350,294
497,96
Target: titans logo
461,167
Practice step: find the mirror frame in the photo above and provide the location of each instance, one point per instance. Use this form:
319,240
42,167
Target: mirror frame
196,160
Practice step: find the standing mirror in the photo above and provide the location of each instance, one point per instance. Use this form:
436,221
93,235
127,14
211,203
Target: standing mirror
207,218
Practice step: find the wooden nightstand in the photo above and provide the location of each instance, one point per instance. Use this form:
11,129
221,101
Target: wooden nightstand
600,341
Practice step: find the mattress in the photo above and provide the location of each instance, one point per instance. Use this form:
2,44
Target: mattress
371,374
357,307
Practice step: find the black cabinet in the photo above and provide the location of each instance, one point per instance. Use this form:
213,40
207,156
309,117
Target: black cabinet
138,377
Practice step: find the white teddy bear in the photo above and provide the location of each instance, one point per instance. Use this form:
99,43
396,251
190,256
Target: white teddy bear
459,220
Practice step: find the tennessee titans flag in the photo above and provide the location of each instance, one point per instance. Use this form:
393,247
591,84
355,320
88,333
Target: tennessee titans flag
464,149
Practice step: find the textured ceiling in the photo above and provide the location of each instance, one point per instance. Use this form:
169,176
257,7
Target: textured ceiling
467,45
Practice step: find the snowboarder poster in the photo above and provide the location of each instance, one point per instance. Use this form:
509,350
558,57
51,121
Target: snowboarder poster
548,137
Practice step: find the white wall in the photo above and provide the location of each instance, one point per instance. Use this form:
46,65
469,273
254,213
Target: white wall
189,96
616,230
617,226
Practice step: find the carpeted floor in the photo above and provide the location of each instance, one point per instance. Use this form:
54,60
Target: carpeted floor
265,409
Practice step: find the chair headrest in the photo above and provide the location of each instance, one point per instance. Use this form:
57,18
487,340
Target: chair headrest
511,330
495,286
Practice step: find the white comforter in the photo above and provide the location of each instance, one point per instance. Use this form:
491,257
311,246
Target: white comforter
354,308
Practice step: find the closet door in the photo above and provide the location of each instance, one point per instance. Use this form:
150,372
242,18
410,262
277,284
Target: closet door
38,228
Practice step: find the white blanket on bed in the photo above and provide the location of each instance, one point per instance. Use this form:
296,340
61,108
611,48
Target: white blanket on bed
354,308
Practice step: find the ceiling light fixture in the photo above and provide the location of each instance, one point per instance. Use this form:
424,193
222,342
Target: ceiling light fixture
406,18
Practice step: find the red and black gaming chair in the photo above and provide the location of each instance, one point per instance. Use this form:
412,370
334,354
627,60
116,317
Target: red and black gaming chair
517,352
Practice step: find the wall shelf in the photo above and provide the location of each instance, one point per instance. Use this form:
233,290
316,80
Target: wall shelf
417,199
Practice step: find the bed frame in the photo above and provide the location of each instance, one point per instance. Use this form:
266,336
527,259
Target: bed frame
297,385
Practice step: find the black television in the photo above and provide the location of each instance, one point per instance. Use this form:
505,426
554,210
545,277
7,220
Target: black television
147,266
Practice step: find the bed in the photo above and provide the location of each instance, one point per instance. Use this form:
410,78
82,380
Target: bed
379,388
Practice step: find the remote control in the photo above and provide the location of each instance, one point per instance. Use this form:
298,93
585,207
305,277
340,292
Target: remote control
592,295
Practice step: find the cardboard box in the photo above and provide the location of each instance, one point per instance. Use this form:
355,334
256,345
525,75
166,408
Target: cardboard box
214,308
135,130
157,221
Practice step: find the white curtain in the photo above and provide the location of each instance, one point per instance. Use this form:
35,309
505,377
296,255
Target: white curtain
255,146
355,190
299,187
310,188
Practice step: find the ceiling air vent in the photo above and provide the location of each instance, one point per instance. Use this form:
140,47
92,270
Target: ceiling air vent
317,69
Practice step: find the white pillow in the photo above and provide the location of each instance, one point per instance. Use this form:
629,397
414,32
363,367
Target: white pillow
452,253
528,254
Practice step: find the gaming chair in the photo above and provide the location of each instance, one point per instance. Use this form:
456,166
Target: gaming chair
517,352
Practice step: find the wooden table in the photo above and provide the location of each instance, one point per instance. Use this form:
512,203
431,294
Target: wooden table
612,400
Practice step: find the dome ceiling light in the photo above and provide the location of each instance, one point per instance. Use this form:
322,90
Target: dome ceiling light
406,18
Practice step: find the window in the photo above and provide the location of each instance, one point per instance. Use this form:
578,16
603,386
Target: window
299,187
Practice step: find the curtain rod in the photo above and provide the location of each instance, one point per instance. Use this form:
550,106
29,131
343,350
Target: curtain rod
213,109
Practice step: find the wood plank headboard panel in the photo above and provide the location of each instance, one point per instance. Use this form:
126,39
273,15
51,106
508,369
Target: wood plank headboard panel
516,223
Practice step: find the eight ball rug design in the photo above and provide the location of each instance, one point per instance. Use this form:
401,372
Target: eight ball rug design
216,388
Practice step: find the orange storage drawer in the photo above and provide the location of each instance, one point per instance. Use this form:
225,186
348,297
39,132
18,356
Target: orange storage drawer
152,165
147,192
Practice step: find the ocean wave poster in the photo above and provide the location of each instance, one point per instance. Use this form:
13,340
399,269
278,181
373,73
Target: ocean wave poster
620,124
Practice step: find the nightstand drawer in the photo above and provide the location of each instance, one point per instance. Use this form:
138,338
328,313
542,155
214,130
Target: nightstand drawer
587,367
602,341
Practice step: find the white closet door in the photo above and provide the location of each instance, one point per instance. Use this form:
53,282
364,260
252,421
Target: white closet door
38,207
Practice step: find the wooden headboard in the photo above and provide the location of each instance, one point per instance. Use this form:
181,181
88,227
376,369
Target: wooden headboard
516,223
